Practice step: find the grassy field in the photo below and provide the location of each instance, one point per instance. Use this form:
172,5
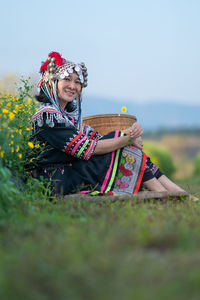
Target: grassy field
77,249
85,249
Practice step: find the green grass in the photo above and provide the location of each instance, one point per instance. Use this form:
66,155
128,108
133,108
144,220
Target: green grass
76,249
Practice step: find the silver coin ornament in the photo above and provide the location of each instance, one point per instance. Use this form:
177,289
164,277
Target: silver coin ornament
77,69
66,74
62,76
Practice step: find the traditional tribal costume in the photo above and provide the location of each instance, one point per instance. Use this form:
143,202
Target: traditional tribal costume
66,145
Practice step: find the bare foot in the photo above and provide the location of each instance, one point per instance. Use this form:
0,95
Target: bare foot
193,198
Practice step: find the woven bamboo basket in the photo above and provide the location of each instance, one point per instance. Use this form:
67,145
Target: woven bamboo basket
109,122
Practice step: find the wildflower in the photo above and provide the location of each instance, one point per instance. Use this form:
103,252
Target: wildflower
9,105
31,145
17,149
11,143
17,130
2,154
29,100
12,136
20,131
31,160
11,116
37,146
20,155
12,150
124,109
5,111
27,129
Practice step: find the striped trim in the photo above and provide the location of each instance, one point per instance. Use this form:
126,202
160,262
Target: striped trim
141,173
78,144
88,151
111,164
71,143
42,110
83,148
89,154
93,134
113,172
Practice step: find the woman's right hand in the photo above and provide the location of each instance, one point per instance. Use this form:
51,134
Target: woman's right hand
135,130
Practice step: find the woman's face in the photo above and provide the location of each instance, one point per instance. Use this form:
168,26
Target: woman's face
68,89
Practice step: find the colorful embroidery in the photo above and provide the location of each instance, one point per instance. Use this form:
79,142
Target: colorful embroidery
90,132
80,146
52,116
129,171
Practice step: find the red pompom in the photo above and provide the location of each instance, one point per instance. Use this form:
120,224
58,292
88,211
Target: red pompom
59,61
58,58
44,66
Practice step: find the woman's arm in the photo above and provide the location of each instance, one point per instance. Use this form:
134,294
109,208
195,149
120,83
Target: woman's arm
109,145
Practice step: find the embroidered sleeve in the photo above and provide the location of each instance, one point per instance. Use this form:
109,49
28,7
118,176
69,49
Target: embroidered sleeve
62,135
91,133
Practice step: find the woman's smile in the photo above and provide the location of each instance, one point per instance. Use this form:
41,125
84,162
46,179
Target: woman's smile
69,89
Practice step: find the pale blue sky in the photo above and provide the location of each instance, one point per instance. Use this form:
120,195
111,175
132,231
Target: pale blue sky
139,50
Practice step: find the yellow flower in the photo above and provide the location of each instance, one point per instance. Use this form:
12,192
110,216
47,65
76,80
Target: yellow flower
29,100
37,146
27,129
17,149
31,160
20,155
30,144
20,131
11,143
124,109
2,154
5,111
12,150
12,136
17,130
9,105
130,159
11,116
118,115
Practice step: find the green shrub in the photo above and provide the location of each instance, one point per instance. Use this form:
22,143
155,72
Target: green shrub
15,114
9,193
160,156
197,164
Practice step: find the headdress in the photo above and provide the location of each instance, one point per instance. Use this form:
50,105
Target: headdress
56,68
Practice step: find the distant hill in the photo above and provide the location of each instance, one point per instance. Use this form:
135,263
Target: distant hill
152,116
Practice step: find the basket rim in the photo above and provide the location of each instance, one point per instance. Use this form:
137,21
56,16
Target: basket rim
110,115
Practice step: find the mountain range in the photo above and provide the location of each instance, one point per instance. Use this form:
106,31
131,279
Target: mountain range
152,115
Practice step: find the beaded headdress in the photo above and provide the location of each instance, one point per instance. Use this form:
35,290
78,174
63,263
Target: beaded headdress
56,68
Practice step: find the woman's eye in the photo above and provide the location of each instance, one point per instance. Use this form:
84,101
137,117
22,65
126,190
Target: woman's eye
78,82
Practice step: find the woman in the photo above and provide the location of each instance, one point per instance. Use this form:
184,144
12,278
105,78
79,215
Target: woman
75,158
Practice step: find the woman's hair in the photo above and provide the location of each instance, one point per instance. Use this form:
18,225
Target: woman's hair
41,97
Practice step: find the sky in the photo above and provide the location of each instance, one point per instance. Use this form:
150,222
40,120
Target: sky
138,50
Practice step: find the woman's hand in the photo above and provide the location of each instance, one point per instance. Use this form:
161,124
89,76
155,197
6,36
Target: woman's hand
138,143
135,131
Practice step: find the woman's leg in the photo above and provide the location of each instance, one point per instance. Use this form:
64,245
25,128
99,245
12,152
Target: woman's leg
154,185
169,185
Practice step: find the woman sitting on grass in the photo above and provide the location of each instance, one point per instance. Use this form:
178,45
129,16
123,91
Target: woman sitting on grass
75,158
